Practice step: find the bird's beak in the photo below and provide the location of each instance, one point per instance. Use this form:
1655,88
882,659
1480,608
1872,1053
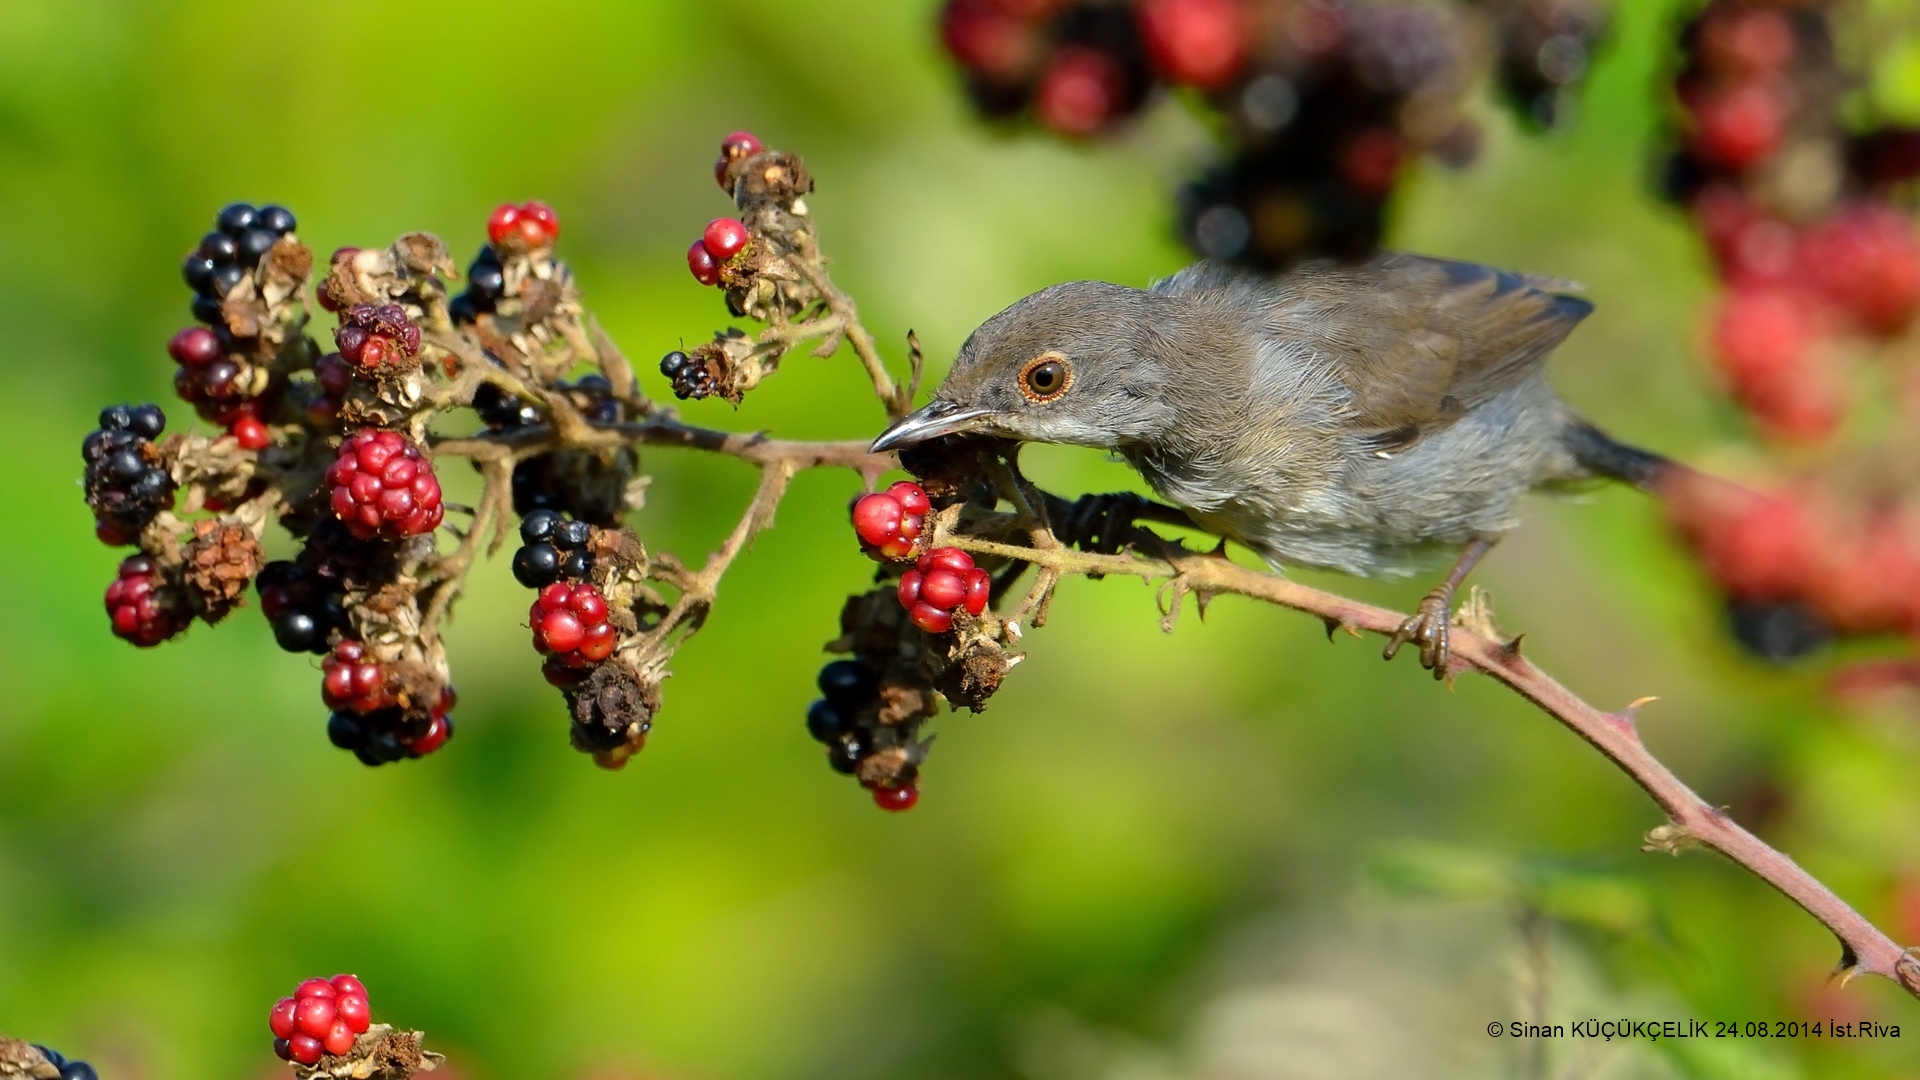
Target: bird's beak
937,418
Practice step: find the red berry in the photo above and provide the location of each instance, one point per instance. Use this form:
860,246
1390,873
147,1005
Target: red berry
542,217
700,262
735,147
339,1038
930,618
725,237
439,730
1867,262
979,590
600,642
911,497
250,433
501,223
382,486
909,589
1370,160
281,1018
106,533
1198,42
196,346
989,40
1748,45
314,1016
570,624
137,613
876,518
945,558
349,679
895,799
1739,128
943,589
349,984
1080,92
305,1049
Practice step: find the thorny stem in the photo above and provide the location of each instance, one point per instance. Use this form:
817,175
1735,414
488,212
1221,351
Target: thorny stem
1692,820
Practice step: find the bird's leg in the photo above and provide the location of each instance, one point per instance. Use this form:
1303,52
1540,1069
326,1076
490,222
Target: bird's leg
1427,627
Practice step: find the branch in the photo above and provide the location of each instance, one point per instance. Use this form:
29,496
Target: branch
1864,948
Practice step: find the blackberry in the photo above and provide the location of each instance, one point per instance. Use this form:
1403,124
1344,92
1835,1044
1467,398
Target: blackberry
845,753
126,485
486,284
849,683
303,608
690,376
826,722
501,411
242,236
590,485
1778,632
555,549
374,337
70,1069
391,734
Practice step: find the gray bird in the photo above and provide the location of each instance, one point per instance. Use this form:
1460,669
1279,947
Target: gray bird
1354,417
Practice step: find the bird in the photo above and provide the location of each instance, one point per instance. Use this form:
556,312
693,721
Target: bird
1365,417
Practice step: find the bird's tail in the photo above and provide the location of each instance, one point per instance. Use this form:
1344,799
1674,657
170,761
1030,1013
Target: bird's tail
1598,453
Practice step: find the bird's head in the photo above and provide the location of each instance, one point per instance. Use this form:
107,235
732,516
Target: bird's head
1075,363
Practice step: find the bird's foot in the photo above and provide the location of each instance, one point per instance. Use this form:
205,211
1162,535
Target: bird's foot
1099,523
1427,628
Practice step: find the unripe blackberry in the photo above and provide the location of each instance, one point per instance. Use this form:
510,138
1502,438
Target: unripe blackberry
383,486
532,225
351,679
895,799
735,147
393,734
375,338
943,581
125,482
570,623
702,265
724,238
554,549
890,522
139,614
337,1009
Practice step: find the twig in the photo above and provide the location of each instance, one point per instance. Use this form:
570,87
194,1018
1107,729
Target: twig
1864,948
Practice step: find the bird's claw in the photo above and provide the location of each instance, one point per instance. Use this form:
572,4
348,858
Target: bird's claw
1098,523
1427,627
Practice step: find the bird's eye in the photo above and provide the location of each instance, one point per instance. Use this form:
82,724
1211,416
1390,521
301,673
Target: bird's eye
1045,378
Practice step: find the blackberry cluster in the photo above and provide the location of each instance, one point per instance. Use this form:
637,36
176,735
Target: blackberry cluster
553,549
391,733
306,600
69,1069
375,337
1545,46
220,384
486,284
588,485
690,376
242,236
1080,67
125,482
846,719
1777,631
143,610
324,1016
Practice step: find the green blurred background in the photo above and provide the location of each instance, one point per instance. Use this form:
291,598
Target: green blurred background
1238,851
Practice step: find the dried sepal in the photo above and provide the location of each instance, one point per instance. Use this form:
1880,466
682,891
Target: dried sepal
21,1060
379,1053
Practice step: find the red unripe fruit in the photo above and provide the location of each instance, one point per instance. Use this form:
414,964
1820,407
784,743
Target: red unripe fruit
912,525
588,605
281,1018
501,223
541,216
895,799
339,1038
946,558
911,497
196,346
353,1008
930,618
1739,128
305,1049
555,596
700,263
599,643
110,536
350,984
989,40
735,147
1198,42
250,433
725,237
1371,160
909,589
558,632
897,549
1748,45
876,518
373,497
979,591
314,1015
1080,92
943,589
1867,262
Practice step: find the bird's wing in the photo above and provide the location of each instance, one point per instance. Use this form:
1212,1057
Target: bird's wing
1418,341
